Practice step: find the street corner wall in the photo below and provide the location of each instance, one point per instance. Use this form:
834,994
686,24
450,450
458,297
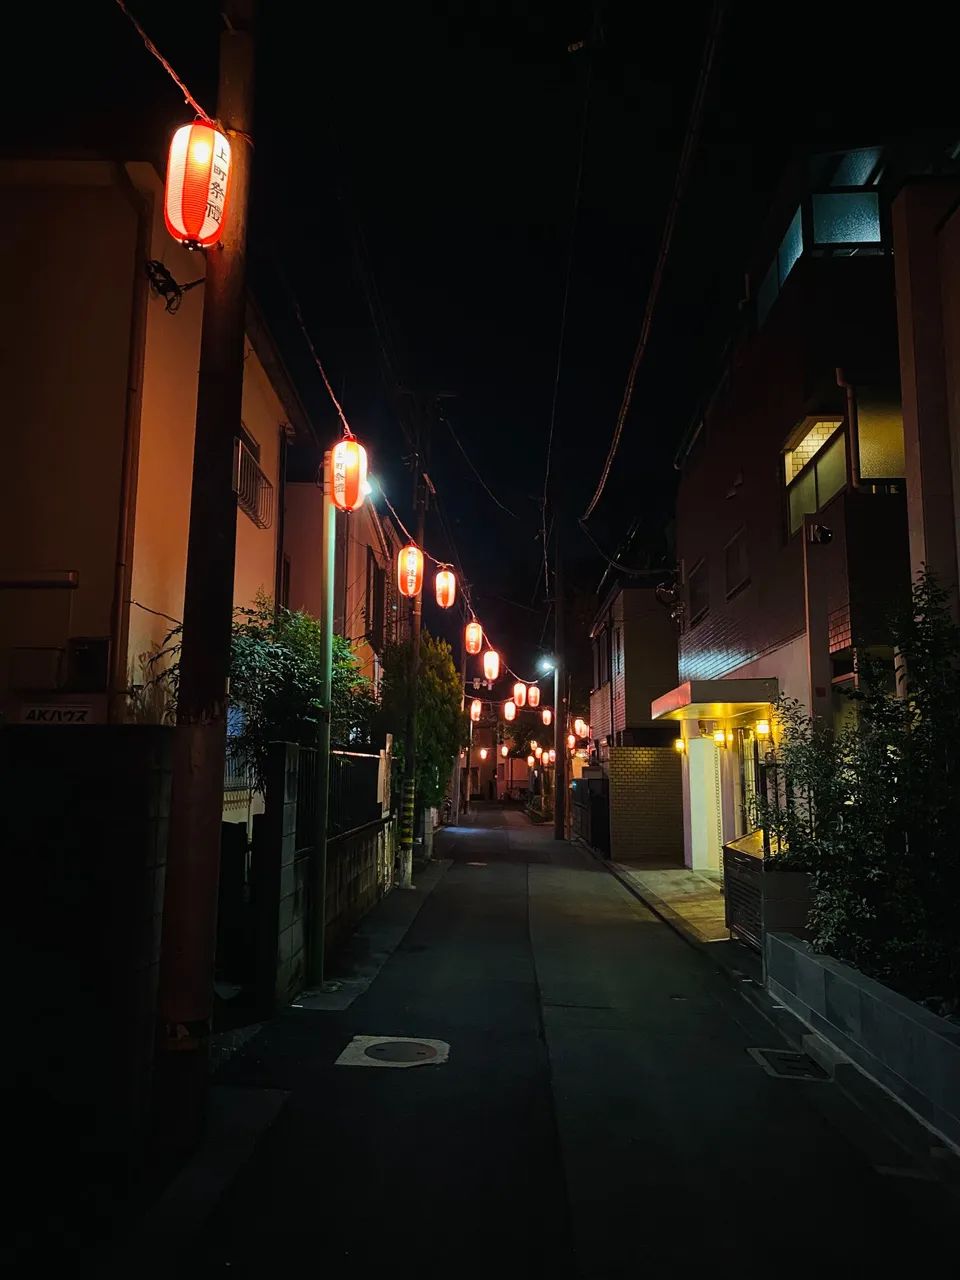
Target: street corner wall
646,809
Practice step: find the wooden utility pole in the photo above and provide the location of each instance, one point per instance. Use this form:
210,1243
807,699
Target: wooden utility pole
185,999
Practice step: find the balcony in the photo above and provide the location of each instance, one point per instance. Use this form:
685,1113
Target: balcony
255,495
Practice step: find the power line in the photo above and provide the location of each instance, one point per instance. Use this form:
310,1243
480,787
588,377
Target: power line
680,182
483,482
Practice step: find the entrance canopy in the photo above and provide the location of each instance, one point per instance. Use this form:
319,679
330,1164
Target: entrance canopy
716,699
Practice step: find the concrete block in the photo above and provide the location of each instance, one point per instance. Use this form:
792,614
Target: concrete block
842,1004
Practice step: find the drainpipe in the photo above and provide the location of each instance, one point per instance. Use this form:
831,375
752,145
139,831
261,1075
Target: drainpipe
852,430
281,512
123,566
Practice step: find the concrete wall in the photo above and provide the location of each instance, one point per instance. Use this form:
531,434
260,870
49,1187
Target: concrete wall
646,820
68,237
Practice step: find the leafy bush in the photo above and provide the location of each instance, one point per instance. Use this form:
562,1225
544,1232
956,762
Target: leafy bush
275,680
874,811
441,724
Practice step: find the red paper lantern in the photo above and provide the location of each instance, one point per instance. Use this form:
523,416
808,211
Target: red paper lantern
348,474
476,706
410,570
533,695
546,715
504,751
509,710
530,762
473,637
198,178
483,753
553,756
520,694
446,588
491,664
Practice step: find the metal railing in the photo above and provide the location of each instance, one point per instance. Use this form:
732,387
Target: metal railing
254,491
354,791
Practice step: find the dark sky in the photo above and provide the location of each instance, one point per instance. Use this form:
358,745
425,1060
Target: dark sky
444,138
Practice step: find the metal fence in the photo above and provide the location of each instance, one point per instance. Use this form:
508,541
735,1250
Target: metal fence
306,797
354,791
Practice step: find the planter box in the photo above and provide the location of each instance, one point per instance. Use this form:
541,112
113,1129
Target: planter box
909,1050
759,900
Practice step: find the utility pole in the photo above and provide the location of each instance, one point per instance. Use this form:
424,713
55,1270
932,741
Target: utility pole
185,997
318,938
457,772
409,787
559,690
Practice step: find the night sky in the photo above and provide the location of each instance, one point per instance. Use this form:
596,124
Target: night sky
432,149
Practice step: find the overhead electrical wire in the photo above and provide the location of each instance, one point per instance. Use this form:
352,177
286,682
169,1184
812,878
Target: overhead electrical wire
152,48
684,167
445,419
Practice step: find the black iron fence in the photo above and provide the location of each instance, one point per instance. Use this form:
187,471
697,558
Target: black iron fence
354,791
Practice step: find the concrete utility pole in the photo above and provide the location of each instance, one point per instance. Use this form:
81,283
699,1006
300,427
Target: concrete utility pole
455,787
318,939
409,788
185,999
559,689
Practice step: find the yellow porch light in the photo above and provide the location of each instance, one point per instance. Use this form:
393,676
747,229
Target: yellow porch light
679,745
762,728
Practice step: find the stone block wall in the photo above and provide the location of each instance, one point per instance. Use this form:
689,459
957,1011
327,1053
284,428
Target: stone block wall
646,810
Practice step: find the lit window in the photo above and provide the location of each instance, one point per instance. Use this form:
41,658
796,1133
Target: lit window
815,469
698,588
880,432
848,217
856,167
791,247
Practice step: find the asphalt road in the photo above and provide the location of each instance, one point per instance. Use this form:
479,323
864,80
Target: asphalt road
599,1114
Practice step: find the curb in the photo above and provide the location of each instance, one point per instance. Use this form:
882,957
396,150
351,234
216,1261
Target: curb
935,1160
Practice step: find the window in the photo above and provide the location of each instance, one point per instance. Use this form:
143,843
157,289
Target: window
735,570
250,441
791,247
603,658
618,651
880,432
697,587
848,217
815,470
374,602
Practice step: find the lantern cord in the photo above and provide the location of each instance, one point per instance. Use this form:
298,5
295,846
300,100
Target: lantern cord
188,96
441,564
323,374
679,186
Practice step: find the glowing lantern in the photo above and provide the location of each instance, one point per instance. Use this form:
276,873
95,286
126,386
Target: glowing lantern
579,728
509,710
553,756
546,715
504,751
533,746
198,173
491,664
679,744
410,570
520,694
473,637
762,728
483,753
719,737
348,474
446,587
530,762
475,708
539,752
571,741
533,696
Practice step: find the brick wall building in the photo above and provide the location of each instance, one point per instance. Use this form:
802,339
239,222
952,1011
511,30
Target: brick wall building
791,522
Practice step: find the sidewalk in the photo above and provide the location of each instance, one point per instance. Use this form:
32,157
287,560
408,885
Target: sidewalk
692,900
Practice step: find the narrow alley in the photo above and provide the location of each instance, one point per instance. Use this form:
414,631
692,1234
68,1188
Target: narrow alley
599,1111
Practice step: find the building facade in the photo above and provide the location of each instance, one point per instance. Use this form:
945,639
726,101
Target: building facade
791,512
635,764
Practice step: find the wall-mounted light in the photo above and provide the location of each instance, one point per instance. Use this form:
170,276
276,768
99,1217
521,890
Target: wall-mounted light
679,745
762,728
483,753
719,737
504,751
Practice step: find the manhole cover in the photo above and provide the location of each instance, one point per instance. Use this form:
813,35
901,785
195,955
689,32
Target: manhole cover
393,1051
400,1051
785,1064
